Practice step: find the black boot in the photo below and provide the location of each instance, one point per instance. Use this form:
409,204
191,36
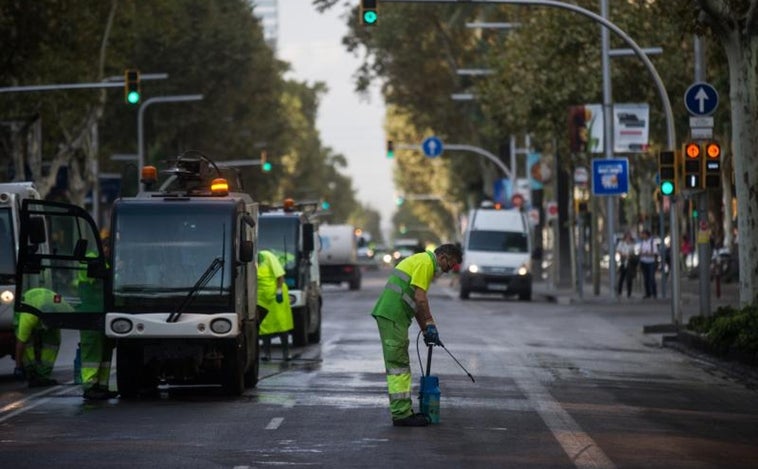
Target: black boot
284,338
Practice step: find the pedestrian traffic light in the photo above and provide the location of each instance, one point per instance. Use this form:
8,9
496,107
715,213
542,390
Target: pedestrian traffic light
390,149
693,164
667,173
265,165
369,14
712,166
132,92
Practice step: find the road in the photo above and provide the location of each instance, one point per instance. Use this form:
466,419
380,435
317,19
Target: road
557,386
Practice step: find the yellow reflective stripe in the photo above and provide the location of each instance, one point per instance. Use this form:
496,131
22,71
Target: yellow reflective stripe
399,383
399,290
409,301
401,275
400,395
399,371
394,288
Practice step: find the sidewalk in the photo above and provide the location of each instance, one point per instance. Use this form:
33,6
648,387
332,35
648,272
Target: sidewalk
672,337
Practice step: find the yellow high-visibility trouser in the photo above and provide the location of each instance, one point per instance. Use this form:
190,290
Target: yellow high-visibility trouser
395,343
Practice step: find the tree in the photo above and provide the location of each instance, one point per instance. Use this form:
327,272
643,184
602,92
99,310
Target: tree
734,24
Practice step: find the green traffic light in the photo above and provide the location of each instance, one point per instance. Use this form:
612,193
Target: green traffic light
266,166
369,17
667,188
133,97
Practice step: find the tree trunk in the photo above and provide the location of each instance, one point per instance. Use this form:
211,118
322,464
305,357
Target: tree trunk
740,50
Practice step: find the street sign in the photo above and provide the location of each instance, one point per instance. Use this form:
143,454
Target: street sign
432,147
610,176
701,99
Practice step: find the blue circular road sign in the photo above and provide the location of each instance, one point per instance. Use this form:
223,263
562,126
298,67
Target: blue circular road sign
432,147
701,99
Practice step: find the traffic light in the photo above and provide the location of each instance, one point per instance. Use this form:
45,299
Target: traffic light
399,200
265,165
369,14
325,205
712,166
132,91
693,164
390,149
667,173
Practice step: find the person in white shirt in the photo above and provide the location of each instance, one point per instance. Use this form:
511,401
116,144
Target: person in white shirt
648,253
627,263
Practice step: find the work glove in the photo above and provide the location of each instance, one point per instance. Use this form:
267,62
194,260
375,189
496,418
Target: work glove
431,336
279,296
18,373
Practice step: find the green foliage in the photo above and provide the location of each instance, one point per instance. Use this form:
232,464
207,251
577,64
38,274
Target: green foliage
729,328
209,47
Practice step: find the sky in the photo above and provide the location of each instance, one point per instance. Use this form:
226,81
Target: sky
351,125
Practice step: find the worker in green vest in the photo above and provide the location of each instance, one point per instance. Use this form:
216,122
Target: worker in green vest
404,297
37,345
96,348
273,299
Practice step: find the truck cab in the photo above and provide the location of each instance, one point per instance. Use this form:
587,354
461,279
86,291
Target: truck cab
177,288
12,194
289,232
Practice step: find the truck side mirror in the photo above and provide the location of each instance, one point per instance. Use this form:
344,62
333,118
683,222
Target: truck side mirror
37,233
246,251
308,237
80,250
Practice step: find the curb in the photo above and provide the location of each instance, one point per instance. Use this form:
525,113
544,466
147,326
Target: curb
741,367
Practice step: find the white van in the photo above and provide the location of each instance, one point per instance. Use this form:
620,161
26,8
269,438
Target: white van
497,248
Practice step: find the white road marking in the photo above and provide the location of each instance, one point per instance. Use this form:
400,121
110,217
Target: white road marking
274,423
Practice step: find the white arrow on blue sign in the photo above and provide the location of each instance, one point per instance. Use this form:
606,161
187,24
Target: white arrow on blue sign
432,147
701,99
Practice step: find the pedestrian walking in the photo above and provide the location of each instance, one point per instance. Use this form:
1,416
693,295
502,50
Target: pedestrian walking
273,301
627,263
648,261
404,297
37,345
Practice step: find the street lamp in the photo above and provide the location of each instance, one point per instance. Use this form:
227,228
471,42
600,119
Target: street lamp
140,119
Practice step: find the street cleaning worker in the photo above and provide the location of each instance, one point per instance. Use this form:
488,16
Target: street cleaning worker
273,299
96,348
37,345
403,298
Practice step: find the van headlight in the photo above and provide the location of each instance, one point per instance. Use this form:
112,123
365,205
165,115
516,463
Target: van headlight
473,268
523,270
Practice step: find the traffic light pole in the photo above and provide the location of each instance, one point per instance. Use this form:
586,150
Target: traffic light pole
140,119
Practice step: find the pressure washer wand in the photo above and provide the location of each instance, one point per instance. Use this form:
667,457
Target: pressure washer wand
456,361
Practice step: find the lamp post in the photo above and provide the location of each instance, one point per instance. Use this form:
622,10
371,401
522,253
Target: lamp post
140,119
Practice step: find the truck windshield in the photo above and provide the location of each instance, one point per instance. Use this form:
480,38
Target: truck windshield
280,236
498,241
7,247
161,250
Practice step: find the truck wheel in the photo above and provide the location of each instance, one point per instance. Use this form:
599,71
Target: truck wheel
233,370
315,336
129,371
464,294
300,332
355,283
251,376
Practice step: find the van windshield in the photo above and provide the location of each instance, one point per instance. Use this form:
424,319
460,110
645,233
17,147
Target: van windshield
498,241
